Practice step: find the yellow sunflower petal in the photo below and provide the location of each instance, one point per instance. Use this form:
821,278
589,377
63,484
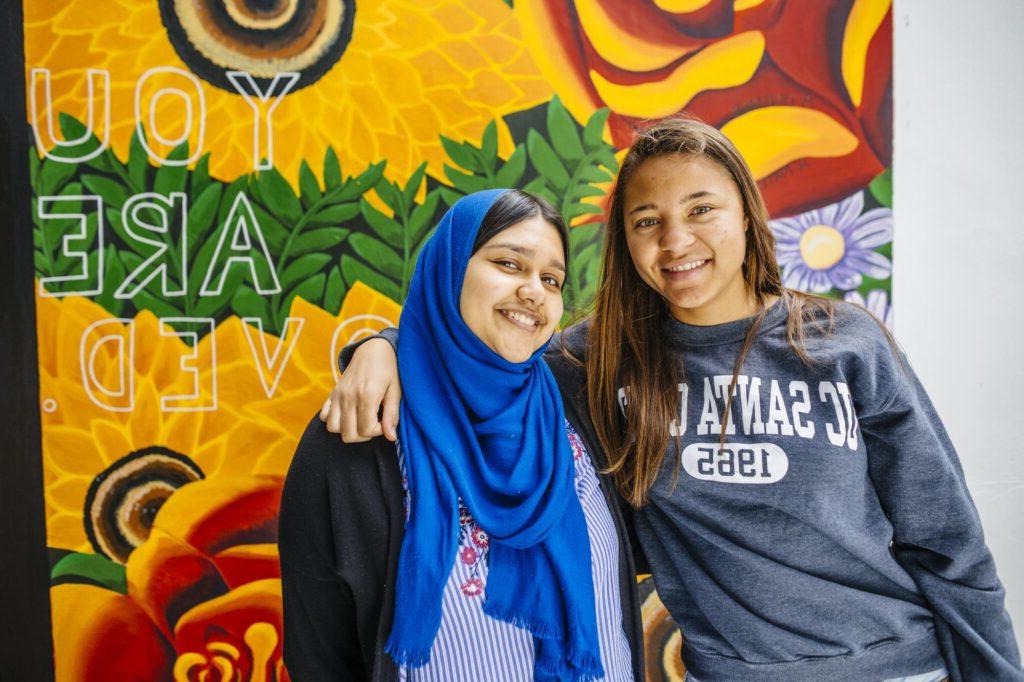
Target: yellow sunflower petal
72,451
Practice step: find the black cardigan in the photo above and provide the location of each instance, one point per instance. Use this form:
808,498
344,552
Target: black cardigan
341,526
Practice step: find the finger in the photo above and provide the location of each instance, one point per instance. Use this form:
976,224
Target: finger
347,422
368,408
389,414
334,417
325,410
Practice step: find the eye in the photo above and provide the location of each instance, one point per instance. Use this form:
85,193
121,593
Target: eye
645,222
507,264
702,209
552,281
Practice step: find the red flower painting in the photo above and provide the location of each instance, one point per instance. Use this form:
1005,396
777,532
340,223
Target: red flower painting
203,601
804,89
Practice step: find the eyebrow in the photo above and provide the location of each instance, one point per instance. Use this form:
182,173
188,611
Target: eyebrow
522,250
689,197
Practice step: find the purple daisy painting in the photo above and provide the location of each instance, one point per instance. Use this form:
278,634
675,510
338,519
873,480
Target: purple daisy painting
833,247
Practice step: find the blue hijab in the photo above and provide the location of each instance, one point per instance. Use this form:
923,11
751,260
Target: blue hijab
491,432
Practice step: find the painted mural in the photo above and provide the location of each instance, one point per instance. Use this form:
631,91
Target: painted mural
227,192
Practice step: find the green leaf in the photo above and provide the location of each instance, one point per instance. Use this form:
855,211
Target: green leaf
310,290
247,303
583,234
360,185
274,232
606,157
583,191
54,175
450,196
335,292
465,182
563,132
335,215
113,274
228,199
94,567
539,187
138,163
594,174
377,253
463,154
201,215
41,264
332,169
422,216
214,306
389,194
413,185
303,267
577,209
388,229
593,132
512,171
586,255
113,193
278,195
308,186
489,143
316,240
881,188
201,174
354,271
72,129
172,178
159,306
547,163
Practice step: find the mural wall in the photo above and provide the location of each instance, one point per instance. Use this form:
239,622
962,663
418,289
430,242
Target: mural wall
225,192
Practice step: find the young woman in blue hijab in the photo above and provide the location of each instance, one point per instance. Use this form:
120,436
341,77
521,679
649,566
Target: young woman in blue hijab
482,544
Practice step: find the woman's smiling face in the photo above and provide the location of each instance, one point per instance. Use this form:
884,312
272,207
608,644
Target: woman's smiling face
512,293
686,233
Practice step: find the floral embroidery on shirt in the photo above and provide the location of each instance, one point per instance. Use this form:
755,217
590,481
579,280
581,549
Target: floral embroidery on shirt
473,587
478,536
574,442
473,546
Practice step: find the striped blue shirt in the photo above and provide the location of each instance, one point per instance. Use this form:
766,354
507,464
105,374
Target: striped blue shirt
472,646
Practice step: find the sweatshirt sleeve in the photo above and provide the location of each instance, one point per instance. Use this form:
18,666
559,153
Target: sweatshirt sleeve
937,533
320,634
389,334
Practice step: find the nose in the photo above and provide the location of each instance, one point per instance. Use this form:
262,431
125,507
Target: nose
532,290
676,237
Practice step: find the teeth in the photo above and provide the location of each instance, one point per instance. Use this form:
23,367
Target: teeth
522,318
688,266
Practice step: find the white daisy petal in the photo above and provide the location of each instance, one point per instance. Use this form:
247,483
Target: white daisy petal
872,264
848,209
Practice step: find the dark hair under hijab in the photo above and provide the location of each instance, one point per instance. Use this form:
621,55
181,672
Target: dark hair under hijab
515,206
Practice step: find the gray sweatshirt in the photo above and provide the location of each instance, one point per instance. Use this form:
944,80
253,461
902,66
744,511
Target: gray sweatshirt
833,537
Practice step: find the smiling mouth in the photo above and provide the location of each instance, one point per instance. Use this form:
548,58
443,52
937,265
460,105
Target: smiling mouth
522,319
688,267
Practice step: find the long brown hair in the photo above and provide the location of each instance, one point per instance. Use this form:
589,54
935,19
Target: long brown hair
628,316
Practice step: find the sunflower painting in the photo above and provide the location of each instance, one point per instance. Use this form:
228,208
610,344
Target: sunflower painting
227,192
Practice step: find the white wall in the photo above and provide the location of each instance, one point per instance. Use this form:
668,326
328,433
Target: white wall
959,245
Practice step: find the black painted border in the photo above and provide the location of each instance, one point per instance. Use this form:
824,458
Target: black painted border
26,642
